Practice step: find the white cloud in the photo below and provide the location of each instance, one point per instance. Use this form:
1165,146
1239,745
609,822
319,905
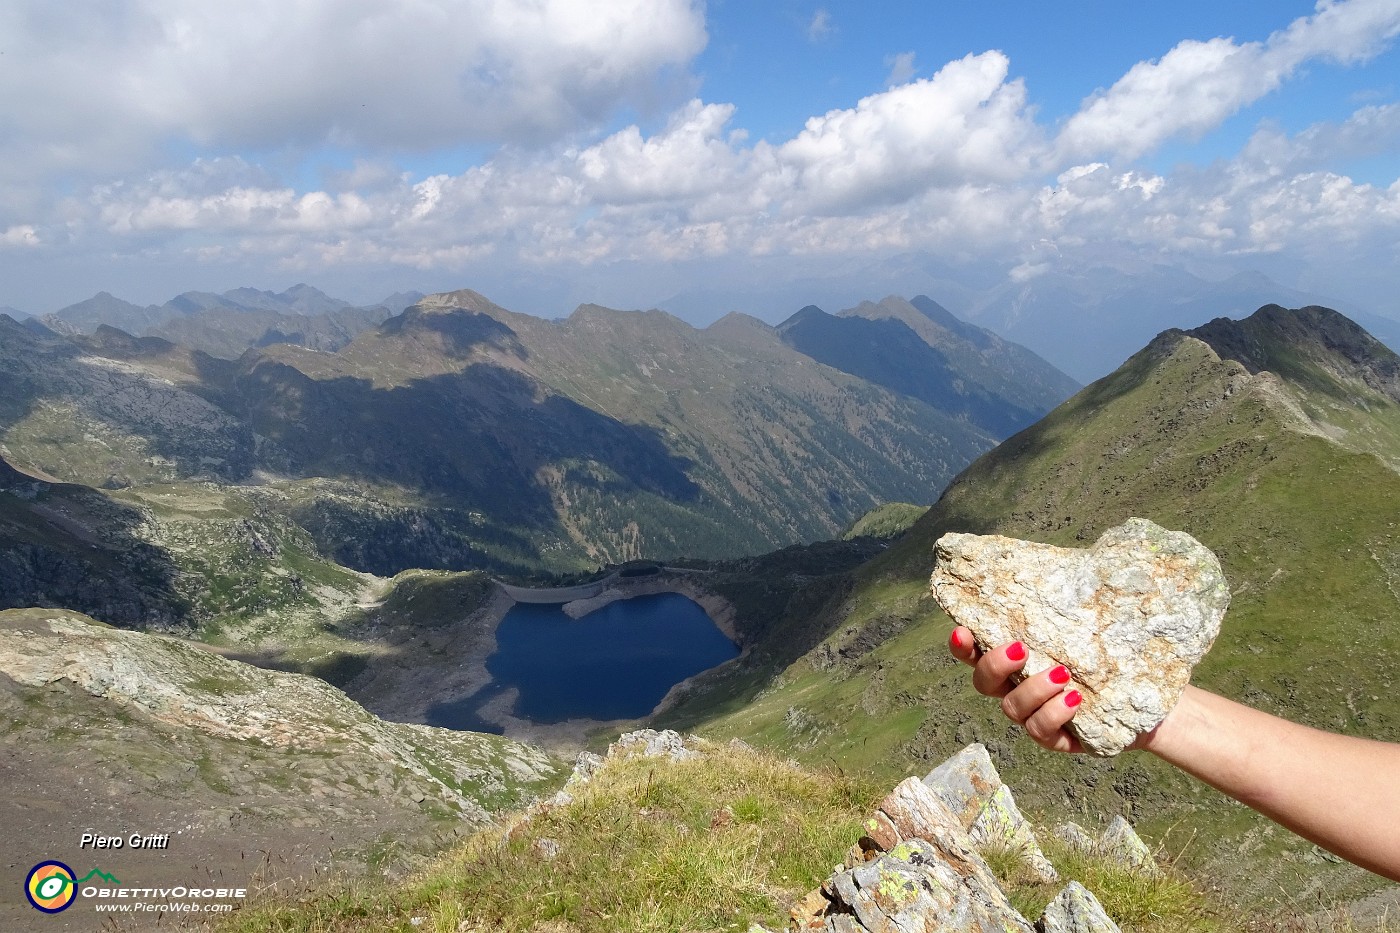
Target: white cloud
20,235
820,26
1197,85
966,124
901,66
91,84
688,159
697,189
954,165
1370,131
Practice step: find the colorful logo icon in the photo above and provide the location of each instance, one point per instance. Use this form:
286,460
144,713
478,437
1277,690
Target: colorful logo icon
50,887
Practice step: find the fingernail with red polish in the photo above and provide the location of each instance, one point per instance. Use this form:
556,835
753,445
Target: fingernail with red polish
954,640
1016,651
1073,698
1060,675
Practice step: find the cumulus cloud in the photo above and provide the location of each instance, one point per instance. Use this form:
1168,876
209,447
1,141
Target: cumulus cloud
20,235
954,164
1370,131
1197,85
92,82
690,158
966,124
697,188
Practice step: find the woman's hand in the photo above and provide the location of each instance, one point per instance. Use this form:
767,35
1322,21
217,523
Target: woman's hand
1339,791
1041,704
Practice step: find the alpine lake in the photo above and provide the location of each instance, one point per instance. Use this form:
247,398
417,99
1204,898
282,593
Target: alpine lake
617,662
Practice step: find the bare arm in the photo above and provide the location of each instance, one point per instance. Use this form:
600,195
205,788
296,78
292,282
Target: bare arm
1340,792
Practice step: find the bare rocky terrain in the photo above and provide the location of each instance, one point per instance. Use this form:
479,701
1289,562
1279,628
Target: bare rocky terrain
260,777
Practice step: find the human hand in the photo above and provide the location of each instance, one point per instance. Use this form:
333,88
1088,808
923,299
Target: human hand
1041,704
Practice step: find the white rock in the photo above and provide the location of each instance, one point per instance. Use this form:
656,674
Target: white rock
1130,617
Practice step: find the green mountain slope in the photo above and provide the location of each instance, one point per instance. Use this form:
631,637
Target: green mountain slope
1306,525
887,521
460,435
977,356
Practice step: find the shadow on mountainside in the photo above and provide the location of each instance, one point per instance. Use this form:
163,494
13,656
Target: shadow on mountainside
457,333
889,353
144,423
486,443
66,546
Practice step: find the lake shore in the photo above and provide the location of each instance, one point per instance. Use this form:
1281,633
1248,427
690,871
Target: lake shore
423,682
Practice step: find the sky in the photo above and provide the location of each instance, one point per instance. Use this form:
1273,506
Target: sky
705,156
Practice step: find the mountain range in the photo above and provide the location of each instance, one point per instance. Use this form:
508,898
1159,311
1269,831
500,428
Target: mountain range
1275,441
458,434
261,502
1084,319
227,324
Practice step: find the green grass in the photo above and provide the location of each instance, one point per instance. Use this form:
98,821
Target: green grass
1307,534
715,843
1165,901
733,838
886,521
218,685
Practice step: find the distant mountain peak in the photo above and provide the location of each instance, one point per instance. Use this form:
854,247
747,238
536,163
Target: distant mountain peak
463,299
398,301
805,314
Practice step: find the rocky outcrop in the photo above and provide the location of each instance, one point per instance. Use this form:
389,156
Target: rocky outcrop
1130,617
969,784
1119,843
919,866
186,688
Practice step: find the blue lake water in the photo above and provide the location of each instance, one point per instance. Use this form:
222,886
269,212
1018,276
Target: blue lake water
615,663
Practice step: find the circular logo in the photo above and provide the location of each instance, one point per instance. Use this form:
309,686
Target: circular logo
50,887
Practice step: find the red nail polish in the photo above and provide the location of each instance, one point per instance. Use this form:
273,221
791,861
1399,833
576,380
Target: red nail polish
953,639
1073,699
1060,675
1016,651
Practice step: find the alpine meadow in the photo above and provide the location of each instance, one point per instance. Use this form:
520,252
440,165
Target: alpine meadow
669,466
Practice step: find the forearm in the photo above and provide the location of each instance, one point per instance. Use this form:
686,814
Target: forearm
1343,793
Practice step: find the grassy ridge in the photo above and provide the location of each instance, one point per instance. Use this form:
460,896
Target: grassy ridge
886,521
718,842
1309,537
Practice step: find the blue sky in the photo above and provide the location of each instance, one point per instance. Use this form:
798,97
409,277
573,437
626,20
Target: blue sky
640,152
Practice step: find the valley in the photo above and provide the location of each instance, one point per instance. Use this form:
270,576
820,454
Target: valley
324,533
1267,460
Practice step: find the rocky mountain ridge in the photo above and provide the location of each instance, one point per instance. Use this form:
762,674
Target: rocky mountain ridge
459,434
1286,473
227,324
259,777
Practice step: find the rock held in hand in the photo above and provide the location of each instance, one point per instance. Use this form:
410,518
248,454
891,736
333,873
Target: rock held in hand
1130,616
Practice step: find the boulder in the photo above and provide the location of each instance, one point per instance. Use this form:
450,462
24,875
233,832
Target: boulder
917,888
1130,616
1000,825
1075,910
915,870
650,743
1074,836
1122,843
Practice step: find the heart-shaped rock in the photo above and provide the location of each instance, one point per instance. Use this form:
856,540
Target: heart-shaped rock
1130,617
